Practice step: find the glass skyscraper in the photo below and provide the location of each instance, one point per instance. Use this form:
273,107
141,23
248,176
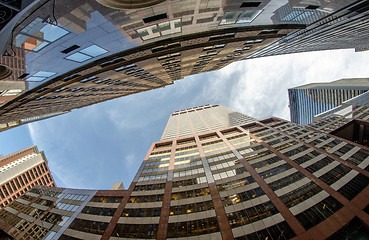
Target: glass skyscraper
83,52
312,99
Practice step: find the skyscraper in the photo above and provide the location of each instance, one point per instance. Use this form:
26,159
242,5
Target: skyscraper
20,172
223,175
341,28
70,63
312,99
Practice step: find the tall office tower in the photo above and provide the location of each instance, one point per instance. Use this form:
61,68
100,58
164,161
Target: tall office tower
342,28
21,171
266,179
192,121
85,53
309,100
348,121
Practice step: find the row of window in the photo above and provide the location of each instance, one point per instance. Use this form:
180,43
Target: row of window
89,226
141,212
189,182
188,172
274,171
242,197
283,182
136,231
106,199
193,228
190,193
300,194
280,231
235,183
318,213
146,198
192,208
99,211
252,214
230,173
354,186
149,187
266,162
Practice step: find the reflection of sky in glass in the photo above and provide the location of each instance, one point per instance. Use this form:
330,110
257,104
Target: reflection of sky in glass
297,16
43,74
93,51
38,35
248,16
53,33
78,57
42,45
35,79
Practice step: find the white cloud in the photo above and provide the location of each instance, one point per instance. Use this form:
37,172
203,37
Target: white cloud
129,160
62,171
258,87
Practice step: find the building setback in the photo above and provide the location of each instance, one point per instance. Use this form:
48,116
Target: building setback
20,172
312,99
240,178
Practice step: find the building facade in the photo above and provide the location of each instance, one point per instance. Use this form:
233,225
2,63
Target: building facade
340,28
70,64
20,172
240,178
312,99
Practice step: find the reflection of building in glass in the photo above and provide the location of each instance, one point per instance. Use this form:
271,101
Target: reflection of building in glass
20,172
140,69
13,85
344,28
289,14
216,174
309,100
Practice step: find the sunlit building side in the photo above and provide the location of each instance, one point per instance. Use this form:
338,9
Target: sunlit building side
20,172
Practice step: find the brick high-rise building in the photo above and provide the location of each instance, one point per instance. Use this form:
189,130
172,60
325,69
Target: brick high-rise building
21,171
219,174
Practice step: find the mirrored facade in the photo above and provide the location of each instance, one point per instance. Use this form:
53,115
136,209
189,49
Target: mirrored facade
80,53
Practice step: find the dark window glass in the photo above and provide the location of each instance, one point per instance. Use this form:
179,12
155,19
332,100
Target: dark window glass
354,186
319,212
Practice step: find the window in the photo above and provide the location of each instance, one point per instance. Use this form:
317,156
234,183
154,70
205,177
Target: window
248,16
250,4
87,53
40,76
160,29
38,34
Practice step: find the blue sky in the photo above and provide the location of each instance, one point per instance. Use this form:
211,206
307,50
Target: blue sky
94,147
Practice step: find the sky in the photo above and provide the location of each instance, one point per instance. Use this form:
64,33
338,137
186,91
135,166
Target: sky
93,147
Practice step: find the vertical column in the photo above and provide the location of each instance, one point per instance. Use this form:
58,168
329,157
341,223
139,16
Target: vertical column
285,212
225,228
164,214
109,230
